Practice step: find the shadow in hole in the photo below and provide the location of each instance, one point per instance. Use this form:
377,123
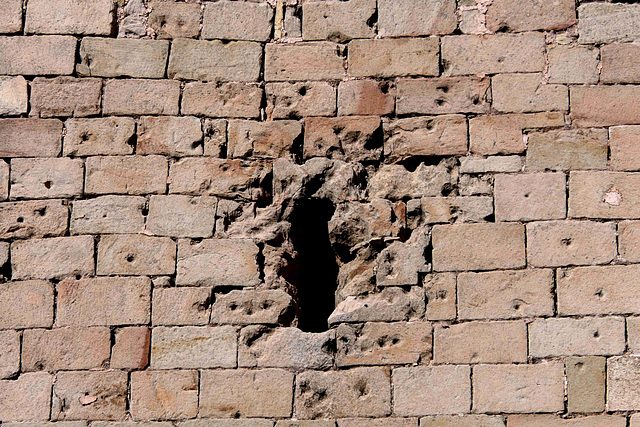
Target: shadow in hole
318,270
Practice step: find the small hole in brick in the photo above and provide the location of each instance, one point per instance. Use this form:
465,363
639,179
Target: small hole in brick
41,211
599,293
130,257
302,91
475,100
596,334
566,241
20,219
440,102
526,196
233,307
47,184
85,137
78,276
444,89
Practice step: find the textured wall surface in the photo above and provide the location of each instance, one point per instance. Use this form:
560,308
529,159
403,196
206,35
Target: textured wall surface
319,213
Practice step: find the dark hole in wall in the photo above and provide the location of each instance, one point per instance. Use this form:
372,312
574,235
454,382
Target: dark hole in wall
317,266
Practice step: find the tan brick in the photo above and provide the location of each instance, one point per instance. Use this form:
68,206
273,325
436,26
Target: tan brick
9,354
181,306
443,95
559,243
30,137
108,214
263,139
122,57
126,175
455,209
346,138
89,17
222,100
519,388
141,96
56,257
567,150
37,55
517,15
27,398
477,165
365,97
46,178
100,136
13,96
502,134
131,348
246,393
525,93
230,20
603,23
604,105
629,240
304,423
60,424
633,334
526,197
395,182
303,61
108,387
65,348
394,57
164,395
228,422
380,422
172,136
4,182
103,301
246,307
338,21
598,290
620,62
585,384
304,99
416,17
215,137
623,377
431,390
181,216
505,294
622,143
573,64
37,218
65,96
478,246
462,421
389,305
172,20
11,11
604,195
557,421
440,290
136,254
493,54
27,304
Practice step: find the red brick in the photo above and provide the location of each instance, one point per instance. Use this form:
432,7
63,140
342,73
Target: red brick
131,348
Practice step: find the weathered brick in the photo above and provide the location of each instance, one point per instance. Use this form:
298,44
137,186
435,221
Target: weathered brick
305,423
164,395
525,93
228,422
519,388
516,15
304,99
462,421
557,421
123,57
4,184
344,138
100,136
222,100
171,136
246,307
573,64
141,96
193,347
436,210
395,182
356,392
629,240
425,136
246,393
633,334
136,254
399,263
215,137
622,143
46,178
13,96
379,422
108,214
72,390
126,175
623,378
181,306
30,137
604,195
505,294
493,54
172,20
585,384
87,17
620,62
56,257
37,218
103,301
230,20
338,21
567,150
9,354
60,424
27,398
443,95
131,348
27,304
37,55
476,165
394,57
416,17
304,61
365,97
603,22
182,216
65,348
431,390
604,105
262,139
11,11
530,196
440,291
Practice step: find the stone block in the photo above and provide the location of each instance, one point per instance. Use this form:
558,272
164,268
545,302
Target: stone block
567,150
131,348
526,93
56,257
37,55
13,96
623,146
604,195
107,215
46,178
36,218
133,175
529,197
222,100
585,384
394,57
304,61
173,20
27,398
27,304
447,95
416,17
171,136
247,306
181,216
343,138
193,347
100,136
365,97
263,139
164,395
297,100
518,15
181,306
141,97
135,254
123,57
338,21
87,17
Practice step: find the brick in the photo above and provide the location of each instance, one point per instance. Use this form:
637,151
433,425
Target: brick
344,138
354,223
455,209
27,304
263,139
37,218
246,393
229,422
338,21
478,246
215,137
214,60
181,216
399,263
181,306
57,257
394,57
525,93
389,305
11,11
4,183
573,64
123,57
529,197
604,105
462,421
384,344
100,136
27,398
416,18
440,291
136,254
9,354
623,377
172,136
425,136
305,423
365,97
517,16
103,301
218,177
431,390
172,20
65,348
47,423
46,178
246,307
580,337
505,294
493,54
356,392
603,23
557,421
37,55
604,195
304,99
108,387
131,348
140,97
443,95
381,422
30,137
567,150
629,240
133,175
598,290
585,384
622,143
303,61
164,395
230,20
475,185
503,134
13,96
519,388
633,334
476,165
395,182
108,214
620,63
222,100
90,17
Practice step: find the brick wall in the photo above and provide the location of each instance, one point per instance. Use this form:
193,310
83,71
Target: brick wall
319,213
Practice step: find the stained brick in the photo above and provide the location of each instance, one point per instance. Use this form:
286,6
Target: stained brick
585,384
442,96
164,395
365,97
222,100
89,17
303,61
107,57
193,347
13,96
567,150
394,57
37,55
172,136
131,348
620,62
604,195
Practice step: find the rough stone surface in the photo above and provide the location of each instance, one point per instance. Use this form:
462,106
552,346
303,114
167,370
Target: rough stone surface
11,10
394,57
298,62
415,18
173,136
365,97
389,305
604,23
56,257
181,306
294,100
90,17
109,388
574,64
514,15
603,195
26,399
181,216
443,96
263,140
172,20
529,197
193,346
101,136
131,348
581,149
623,374
339,21
107,215
231,20
221,100
27,304
13,96
46,178
343,138
604,105
164,395
622,143
125,175
34,218
37,55
135,254
526,93
620,63
141,96
585,384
